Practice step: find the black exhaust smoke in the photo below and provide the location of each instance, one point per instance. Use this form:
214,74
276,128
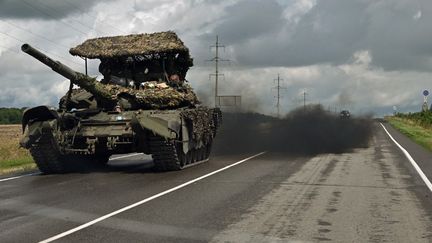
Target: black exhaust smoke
304,131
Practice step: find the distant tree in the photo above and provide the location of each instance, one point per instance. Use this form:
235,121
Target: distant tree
423,118
10,115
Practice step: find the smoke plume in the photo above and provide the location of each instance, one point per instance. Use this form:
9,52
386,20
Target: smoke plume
310,130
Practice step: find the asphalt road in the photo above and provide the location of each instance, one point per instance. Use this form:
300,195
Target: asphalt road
369,195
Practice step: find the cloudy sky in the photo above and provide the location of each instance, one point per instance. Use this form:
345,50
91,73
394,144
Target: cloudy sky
363,55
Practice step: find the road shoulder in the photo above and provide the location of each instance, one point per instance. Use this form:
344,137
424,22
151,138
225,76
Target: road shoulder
422,156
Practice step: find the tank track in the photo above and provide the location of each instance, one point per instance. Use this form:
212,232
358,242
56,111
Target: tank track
169,156
47,156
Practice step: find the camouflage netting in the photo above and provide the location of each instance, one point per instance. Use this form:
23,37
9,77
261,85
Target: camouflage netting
149,98
130,45
156,98
202,122
115,51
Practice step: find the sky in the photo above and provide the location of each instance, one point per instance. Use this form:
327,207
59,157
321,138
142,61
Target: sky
367,56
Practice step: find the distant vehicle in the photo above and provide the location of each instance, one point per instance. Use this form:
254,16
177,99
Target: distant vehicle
345,114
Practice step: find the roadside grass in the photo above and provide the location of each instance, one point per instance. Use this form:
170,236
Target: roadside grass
420,134
12,157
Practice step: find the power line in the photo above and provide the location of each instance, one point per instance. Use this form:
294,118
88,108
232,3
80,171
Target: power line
10,49
37,35
84,12
77,21
52,16
53,54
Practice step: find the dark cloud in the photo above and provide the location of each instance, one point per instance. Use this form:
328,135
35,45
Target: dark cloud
247,20
330,32
396,33
399,34
43,9
303,40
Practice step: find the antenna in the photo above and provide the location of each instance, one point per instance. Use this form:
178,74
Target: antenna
85,64
216,60
278,88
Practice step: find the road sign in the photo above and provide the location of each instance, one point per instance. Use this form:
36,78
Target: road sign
425,92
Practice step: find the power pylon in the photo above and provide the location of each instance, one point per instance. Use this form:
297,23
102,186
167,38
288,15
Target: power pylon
278,88
216,59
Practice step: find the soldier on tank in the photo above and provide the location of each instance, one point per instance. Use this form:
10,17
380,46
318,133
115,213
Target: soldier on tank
176,82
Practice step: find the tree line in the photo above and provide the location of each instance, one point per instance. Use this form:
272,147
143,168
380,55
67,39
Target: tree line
11,115
422,118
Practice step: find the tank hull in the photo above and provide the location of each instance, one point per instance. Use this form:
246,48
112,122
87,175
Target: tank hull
175,138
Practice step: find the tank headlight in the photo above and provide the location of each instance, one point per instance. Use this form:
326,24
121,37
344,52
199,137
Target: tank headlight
119,118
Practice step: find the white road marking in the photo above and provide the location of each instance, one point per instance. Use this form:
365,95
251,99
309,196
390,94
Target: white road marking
38,173
17,177
414,164
125,156
83,226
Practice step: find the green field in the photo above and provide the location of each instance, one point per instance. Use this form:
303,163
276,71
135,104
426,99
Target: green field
12,157
416,127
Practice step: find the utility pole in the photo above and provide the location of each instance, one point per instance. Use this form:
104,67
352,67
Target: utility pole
304,99
216,60
278,88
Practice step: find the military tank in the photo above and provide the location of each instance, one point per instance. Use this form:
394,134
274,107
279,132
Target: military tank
143,104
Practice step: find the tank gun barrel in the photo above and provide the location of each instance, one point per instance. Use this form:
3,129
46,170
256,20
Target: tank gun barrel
88,83
56,66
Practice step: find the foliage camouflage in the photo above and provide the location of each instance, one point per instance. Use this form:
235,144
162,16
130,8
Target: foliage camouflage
150,98
131,45
202,122
107,48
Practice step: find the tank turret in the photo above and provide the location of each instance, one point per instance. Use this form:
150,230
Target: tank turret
150,97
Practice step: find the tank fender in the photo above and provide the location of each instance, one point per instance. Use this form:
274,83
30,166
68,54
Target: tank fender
38,113
35,130
158,125
37,121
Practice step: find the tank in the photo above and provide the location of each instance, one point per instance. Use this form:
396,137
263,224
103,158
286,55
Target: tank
143,104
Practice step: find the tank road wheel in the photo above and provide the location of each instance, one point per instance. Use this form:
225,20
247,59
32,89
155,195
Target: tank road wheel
189,158
164,154
167,155
198,154
208,150
47,156
182,157
202,153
